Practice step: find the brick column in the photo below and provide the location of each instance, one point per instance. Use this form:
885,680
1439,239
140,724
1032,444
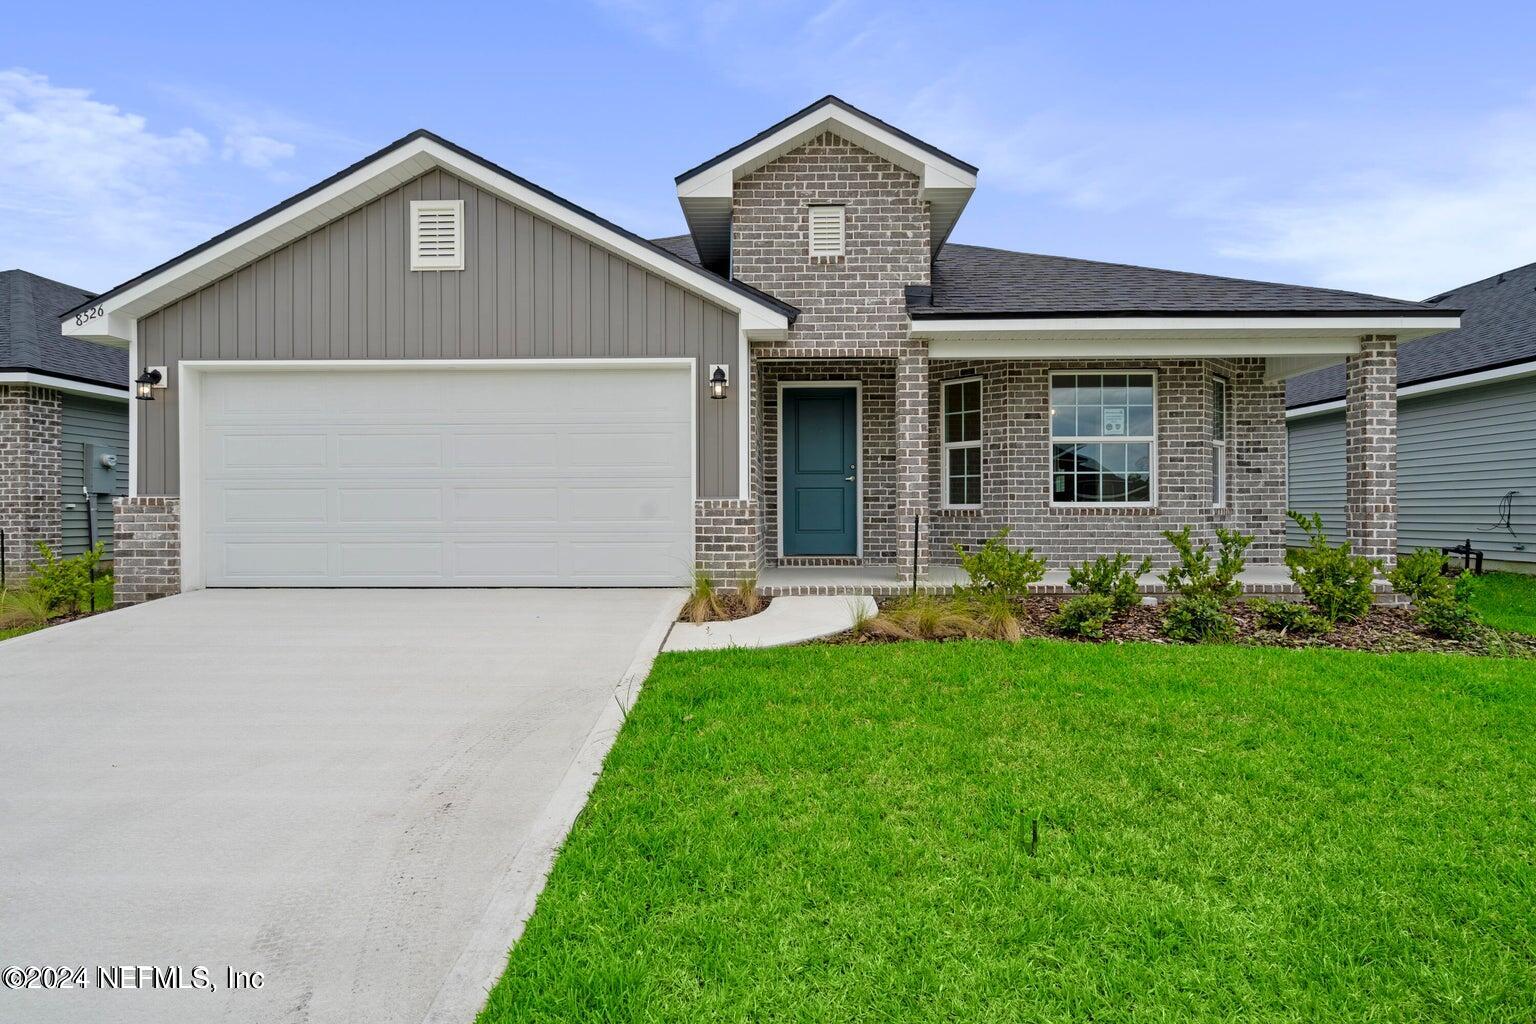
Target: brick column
146,549
31,506
912,458
1370,447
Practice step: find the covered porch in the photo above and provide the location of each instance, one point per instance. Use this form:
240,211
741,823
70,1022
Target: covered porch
1082,439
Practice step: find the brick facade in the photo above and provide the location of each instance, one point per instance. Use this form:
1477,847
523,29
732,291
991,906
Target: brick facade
31,422
146,535
1370,447
1016,474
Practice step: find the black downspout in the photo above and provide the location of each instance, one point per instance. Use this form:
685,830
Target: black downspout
917,527
90,537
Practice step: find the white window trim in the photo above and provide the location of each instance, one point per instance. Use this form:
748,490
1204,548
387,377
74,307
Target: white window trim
454,262
981,408
842,230
1053,440
1219,444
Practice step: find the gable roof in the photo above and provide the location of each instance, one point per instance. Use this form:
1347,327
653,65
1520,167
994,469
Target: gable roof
971,281
30,339
401,160
1498,329
705,191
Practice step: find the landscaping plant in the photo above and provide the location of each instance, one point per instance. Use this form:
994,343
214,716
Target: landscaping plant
746,593
1201,588
925,617
1335,580
996,616
704,602
1289,617
1085,615
65,585
1112,578
1443,605
995,567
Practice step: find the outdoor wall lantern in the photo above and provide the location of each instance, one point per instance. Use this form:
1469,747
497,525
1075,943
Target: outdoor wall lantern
146,382
718,381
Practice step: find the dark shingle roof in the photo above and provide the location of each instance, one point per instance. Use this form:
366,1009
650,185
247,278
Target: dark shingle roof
680,246
972,281
1498,328
30,338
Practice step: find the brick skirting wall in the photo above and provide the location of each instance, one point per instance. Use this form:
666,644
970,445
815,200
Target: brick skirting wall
728,542
146,534
31,423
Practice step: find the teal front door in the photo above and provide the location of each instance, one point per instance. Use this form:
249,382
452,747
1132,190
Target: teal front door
821,471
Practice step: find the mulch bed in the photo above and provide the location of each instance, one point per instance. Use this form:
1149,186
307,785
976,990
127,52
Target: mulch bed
1382,630
735,608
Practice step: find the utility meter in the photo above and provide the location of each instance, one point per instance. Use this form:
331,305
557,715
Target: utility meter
100,469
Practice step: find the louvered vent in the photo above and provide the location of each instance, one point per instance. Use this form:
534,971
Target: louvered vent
826,231
437,234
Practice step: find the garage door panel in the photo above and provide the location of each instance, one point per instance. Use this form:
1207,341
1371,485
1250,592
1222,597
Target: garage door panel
445,478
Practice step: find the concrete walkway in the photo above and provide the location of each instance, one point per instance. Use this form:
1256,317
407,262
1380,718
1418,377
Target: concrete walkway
787,620
355,793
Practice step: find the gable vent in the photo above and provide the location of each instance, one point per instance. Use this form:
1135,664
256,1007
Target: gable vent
826,231
437,234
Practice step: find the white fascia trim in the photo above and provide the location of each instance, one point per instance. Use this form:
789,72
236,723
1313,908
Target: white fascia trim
1311,325
1135,348
112,325
1430,387
717,180
69,387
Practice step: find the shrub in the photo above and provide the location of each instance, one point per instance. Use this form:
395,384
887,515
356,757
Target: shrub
1442,605
23,608
1336,581
704,603
1112,578
1450,614
1201,588
64,585
1289,617
997,567
1420,575
1085,615
1199,619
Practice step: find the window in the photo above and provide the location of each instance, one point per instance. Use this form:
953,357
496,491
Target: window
962,443
826,231
437,234
1103,436
1218,442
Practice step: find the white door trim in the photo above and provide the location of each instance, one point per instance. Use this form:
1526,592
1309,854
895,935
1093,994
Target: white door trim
190,380
858,458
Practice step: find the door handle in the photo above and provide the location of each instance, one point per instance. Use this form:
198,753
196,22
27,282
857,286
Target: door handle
849,479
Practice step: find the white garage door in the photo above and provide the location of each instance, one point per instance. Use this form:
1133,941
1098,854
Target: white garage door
532,476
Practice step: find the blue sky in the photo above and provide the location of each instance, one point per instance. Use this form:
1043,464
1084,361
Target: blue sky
1381,147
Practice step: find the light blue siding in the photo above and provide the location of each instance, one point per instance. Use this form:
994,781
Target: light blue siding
1459,453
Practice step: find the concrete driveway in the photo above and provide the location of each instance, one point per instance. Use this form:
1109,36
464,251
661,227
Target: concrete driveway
351,792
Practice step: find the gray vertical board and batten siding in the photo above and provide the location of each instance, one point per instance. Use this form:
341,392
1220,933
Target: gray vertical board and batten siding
86,421
530,289
1458,453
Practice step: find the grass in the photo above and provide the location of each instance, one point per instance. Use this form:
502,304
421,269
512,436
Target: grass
828,834
1507,600
23,612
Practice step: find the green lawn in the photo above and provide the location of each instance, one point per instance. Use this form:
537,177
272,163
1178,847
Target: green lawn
1507,601
828,834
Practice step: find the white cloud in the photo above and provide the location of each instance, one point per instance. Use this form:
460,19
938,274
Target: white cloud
255,150
87,188
1397,232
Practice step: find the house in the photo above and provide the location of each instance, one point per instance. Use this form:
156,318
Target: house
60,400
428,371
1466,421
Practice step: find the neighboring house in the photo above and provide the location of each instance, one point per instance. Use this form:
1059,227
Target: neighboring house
58,397
1466,422
428,371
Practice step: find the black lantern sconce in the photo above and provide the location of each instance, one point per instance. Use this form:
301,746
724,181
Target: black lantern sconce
719,380
145,383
